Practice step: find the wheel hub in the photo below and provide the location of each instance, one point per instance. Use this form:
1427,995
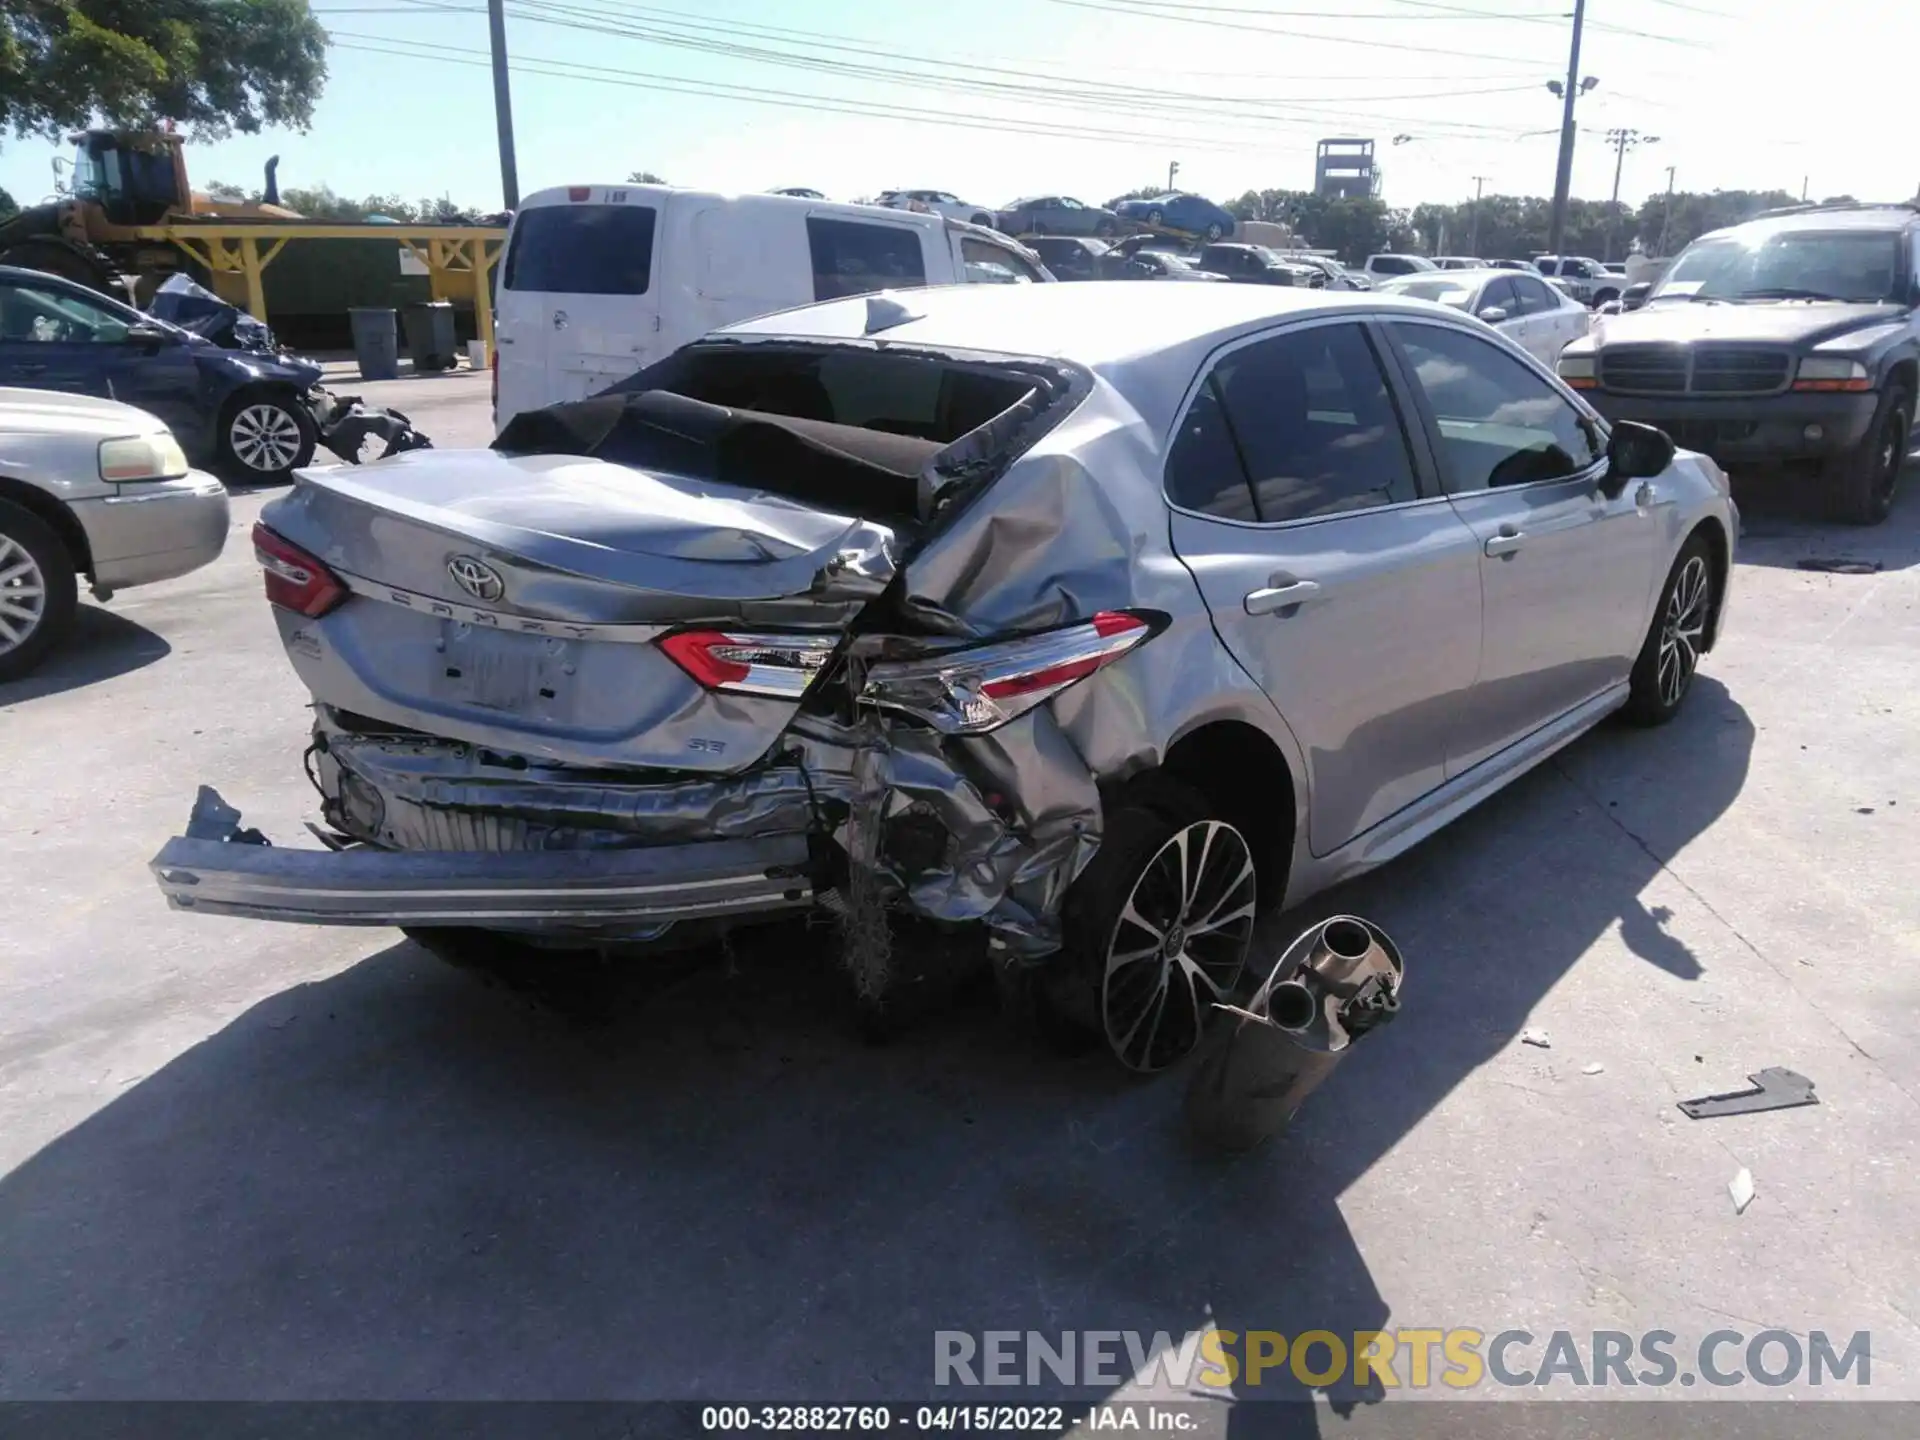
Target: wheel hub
1682,629
265,437
23,595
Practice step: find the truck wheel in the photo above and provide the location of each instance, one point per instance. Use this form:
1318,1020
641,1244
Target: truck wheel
1860,484
37,590
264,438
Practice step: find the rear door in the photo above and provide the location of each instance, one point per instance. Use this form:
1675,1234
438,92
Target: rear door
1341,581
1565,572
1553,319
579,300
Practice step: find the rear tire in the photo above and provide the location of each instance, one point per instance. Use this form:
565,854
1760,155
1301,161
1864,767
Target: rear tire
1158,927
1156,218
1860,485
265,437
37,591
1214,232
1670,657
1105,228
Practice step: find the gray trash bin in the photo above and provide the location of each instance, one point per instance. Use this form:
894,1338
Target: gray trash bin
376,342
430,339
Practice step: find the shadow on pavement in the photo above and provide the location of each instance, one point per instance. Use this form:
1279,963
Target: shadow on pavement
1781,527
101,645
397,1183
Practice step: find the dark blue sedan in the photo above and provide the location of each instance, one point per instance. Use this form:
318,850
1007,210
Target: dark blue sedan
1179,213
249,415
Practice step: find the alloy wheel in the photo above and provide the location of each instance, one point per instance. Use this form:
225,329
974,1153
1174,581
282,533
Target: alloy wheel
1179,945
265,437
23,595
1681,630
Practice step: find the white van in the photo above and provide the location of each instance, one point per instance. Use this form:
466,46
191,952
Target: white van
599,281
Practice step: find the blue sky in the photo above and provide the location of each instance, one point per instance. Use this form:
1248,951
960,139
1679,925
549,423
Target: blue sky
996,98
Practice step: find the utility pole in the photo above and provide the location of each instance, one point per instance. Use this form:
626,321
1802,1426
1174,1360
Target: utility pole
1666,215
1563,174
503,103
1803,188
1473,236
1173,168
1621,140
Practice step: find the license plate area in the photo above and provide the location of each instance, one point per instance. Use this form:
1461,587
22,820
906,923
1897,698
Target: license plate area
534,675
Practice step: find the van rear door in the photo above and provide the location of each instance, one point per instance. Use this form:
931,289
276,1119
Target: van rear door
579,300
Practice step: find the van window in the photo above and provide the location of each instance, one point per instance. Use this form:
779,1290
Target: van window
851,257
989,264
581,250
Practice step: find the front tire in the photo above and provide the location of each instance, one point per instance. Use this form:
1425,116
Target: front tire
37,591
1105,228
1214,232
1861,484
264,438
1156,218
1157,926
1670,657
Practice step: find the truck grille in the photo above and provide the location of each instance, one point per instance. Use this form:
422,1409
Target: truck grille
1710,370
1644,369
1738,372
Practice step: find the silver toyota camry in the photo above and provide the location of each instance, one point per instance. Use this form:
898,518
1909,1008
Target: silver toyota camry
1100,616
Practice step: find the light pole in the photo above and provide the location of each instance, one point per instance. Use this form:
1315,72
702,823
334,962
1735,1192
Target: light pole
1473,236
1173,169
503,104
1621,141
1666,215
1568,93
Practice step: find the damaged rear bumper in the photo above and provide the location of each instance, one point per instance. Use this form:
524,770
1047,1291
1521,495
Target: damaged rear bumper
219,869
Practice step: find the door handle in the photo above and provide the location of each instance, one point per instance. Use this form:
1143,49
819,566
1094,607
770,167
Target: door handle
30,369
1506,542
1281,596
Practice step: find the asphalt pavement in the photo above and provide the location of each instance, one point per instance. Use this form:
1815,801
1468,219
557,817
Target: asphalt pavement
240,1160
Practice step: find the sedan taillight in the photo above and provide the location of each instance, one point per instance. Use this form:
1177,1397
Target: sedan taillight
296,581
742,663
978,688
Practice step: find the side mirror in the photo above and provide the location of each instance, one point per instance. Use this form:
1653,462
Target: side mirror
1494,314
153,335
1634,452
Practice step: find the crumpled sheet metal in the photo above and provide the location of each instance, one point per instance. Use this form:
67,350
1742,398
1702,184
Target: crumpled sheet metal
1007,867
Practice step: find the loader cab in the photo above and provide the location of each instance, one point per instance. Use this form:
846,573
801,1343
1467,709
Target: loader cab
135,177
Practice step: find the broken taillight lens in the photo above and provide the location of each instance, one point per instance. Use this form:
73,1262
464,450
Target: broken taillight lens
743,663
296,581
978,688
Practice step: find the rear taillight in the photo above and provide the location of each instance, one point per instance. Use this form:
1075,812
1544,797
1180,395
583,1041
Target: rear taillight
978,688
295,580
744,663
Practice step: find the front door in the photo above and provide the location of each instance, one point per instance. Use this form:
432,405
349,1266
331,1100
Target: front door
54,336
1348,589
1565,572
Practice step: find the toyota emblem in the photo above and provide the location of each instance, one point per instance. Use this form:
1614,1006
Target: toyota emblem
476,577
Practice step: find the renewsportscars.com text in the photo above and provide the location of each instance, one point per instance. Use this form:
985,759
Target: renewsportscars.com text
1456,1359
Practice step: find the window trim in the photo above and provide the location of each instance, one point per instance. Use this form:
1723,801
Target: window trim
1426,473
1430,423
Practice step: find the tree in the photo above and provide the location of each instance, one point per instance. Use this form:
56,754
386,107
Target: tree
643,177
211,65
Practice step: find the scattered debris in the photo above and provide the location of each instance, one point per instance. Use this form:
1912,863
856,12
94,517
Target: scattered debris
1863,809
1328,989
1592,1067
1536,1037
1774,1089
1741,1189
1836,566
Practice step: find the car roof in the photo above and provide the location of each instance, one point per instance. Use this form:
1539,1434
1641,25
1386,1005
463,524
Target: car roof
1146,340
1866,217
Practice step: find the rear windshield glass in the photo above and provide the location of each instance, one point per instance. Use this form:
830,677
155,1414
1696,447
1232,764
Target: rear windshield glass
581,250
1445,291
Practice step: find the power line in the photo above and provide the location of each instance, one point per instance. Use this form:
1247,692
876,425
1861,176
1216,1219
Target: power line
635,79
1103,98
1439,11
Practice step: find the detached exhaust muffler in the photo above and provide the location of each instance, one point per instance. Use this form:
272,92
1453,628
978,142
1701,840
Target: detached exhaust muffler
1333,985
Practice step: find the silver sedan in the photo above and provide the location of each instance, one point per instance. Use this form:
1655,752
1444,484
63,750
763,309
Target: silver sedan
1529,311
1096,615
90,487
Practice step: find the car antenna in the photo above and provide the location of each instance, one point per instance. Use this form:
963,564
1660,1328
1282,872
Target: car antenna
885,310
